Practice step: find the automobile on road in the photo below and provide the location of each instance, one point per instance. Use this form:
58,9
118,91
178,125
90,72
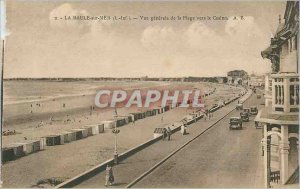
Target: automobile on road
244,116
258,96
239,106
247,110
235,123
253,110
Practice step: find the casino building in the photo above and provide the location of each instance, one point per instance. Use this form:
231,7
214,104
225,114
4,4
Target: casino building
280,117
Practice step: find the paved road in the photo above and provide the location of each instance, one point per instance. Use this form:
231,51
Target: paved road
137,164
219,158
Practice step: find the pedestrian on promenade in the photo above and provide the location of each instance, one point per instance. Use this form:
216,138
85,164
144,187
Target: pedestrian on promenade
169,132
164,133
109,176
183,129
162,118
208,115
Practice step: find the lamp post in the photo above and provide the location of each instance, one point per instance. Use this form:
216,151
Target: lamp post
116,132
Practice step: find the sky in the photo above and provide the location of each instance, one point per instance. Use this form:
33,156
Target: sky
40,46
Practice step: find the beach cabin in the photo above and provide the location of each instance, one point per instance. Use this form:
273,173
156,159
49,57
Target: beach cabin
143,115
109,124
126,120
81,133
136,115
18,149
148,113
157,110
66,137
101,128
94,128
43,144
130,118
78,134
31,146
89,130
120,122
162,109
52,140
7,154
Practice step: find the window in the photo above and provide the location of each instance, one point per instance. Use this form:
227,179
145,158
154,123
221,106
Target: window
276,94
294,94
292,101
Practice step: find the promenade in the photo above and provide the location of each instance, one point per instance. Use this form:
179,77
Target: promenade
135,165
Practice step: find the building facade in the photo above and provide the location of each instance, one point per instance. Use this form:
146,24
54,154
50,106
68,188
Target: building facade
237,77
280,117
256,81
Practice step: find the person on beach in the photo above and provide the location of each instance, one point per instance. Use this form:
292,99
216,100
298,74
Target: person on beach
109,176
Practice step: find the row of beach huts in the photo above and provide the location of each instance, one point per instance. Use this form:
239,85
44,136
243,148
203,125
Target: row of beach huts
17,150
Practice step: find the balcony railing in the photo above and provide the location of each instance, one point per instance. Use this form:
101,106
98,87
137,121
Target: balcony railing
285,92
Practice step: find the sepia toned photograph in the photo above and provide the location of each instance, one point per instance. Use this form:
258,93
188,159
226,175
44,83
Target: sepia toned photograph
149,94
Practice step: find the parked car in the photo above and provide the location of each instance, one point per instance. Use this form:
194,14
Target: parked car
247,110
239,106
253,110
258,125
235,123
258,96
244,116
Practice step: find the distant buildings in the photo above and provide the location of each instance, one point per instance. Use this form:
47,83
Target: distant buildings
256,81
280,117
237,77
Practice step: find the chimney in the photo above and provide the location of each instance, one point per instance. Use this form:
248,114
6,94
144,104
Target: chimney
279,19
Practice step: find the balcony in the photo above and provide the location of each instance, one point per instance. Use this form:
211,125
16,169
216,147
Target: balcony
285,92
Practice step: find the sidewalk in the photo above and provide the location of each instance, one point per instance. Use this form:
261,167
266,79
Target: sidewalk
137,164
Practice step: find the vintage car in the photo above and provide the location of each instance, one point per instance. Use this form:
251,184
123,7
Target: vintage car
258,125
258,96
247,110
253,110
235,123
239,106
244,116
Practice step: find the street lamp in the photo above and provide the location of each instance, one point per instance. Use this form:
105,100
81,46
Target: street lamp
116,132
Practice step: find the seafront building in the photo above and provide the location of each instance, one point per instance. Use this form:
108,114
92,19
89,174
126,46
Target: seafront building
280,117
237,77
256,80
